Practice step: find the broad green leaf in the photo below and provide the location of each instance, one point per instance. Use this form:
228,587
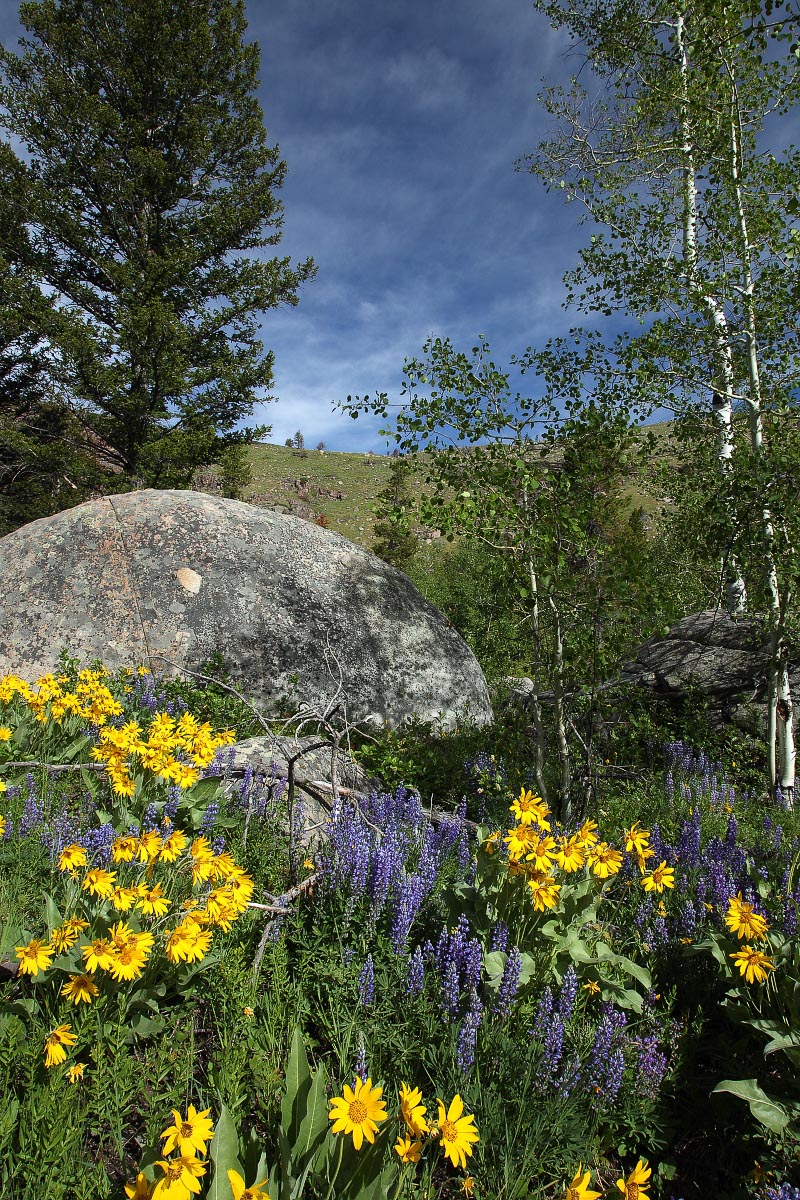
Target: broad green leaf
74,751
768,1111
224,1154
52,914
297,1086
314,1125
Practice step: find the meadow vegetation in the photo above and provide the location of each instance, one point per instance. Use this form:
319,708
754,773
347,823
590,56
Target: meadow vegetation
483,1002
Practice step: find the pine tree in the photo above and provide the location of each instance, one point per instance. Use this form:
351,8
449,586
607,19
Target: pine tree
148,193
45,462
395,540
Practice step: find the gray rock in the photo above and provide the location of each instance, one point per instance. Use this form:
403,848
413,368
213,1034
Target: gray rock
299,614
269,759
711,654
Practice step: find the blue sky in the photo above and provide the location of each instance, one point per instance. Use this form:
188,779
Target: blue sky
400,124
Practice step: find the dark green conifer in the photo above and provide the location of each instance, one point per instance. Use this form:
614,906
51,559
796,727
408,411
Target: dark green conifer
148,197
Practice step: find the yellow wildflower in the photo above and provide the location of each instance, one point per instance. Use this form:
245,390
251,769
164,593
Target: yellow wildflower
34,957
457,1133
358,1111
54,1043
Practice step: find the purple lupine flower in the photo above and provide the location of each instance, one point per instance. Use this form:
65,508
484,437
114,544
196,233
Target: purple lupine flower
651,1066
568,993
408,901
660,934
246,785
607,1035
366,982
569,1077
451,989
218,844
172,804
689,841
209,818
688,919
463,850
499,939
415,977
553,1048
60,832
472,962
783,1191
150,818
97,843
543,1013
509,984
33,810
468,1034
361,1058
614,1073
732,831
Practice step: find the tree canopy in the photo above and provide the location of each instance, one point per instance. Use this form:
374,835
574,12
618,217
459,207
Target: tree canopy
147,197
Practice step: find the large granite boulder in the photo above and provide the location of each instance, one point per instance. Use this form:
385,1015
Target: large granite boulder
299,614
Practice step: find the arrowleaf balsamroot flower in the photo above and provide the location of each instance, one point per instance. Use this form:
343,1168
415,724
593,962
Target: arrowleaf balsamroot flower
570,854
34,957
71,857
742,920
75,1072
530,808
579,1188
408,1151
635,1186
174,845
180,1177
81,989
140,1190
604,859
189,1134
659,878
240,1192
358,1111
457,1133
519,841
54,1043
99,883
412,1110
754,965
544,890
636,839
98,954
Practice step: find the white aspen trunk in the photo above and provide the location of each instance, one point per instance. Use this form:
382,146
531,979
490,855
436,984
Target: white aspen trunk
781,747
561,727
538,721
722,404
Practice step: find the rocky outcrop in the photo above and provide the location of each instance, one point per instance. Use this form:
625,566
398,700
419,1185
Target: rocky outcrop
710,654
299,614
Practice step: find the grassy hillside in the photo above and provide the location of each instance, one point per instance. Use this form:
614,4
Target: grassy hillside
339,489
